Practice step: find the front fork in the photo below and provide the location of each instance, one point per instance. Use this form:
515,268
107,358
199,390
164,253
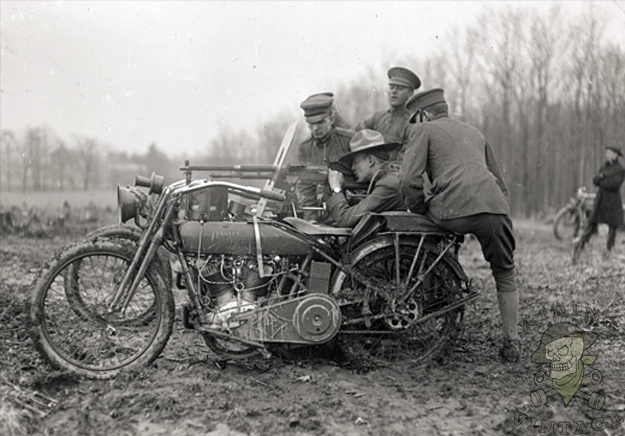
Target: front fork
150,242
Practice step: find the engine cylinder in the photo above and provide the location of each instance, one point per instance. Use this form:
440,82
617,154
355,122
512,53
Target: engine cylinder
228,279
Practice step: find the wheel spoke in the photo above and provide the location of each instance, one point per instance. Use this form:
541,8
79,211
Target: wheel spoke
396,332
75,329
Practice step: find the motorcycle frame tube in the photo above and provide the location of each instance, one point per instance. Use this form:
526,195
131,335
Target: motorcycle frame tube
198,185
457,304
176,189
420,275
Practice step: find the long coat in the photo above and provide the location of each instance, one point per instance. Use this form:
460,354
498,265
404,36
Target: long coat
608,206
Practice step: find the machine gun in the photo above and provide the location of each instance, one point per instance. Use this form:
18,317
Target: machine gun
276,176
285,178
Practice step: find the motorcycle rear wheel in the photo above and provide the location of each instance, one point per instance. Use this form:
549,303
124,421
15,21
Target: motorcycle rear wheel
90,341
401,338
567,224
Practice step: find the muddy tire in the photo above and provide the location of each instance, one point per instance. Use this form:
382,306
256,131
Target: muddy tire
401,337
120,231
567,224
93,342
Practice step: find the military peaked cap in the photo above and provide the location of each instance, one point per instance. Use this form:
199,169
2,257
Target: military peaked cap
317,106
403,77
423,100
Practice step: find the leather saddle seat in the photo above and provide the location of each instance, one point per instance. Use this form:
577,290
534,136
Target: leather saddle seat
403,221
309,228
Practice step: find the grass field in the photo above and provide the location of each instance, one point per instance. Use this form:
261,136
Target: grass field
54,199
189,391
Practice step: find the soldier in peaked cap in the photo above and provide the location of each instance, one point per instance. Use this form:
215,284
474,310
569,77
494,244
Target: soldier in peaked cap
392,123
608,205
369,159
339,120
467,195
327,143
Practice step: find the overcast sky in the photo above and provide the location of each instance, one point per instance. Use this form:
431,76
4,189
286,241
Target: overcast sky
130,73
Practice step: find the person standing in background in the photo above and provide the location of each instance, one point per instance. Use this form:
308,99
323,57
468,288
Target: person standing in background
608,205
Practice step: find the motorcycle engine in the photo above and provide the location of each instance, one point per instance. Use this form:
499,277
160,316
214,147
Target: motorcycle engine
232,284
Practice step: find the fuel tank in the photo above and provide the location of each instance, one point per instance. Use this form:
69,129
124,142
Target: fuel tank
237,238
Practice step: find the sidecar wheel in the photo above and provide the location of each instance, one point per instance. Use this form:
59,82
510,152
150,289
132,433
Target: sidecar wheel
567,224
91,341
402,337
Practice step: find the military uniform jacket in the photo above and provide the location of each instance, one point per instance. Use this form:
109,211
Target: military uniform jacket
465,176
315,152
319,152
608,206
393,124
383,195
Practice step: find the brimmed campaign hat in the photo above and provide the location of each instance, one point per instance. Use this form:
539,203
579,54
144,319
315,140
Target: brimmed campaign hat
403,77
558,331
423,100
317,106
365,140
615,150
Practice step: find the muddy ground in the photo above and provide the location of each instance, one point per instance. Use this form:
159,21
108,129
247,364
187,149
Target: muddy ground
189,391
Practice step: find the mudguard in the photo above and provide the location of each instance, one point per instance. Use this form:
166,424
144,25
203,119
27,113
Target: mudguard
386,240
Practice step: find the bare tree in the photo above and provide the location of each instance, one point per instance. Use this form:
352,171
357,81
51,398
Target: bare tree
460,63
499,46
88,155
543,46
61,160
10,142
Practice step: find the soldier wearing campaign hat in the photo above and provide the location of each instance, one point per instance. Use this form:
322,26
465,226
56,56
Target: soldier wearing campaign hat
327,143
369,159
392,123
467,195
608,205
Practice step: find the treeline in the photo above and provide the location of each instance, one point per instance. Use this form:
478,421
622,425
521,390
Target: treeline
40,160
548,93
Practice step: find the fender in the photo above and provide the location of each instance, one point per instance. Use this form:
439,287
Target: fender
387,241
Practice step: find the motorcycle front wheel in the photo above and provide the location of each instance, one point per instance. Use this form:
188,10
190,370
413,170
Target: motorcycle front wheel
567,224
414,331
133,234
91,341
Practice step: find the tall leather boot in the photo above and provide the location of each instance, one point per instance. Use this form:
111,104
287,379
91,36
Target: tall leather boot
508,299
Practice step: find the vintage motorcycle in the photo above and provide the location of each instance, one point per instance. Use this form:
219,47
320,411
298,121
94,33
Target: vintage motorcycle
571,219
389,290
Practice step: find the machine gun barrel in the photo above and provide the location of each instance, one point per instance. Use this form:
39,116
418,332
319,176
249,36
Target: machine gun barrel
239,168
